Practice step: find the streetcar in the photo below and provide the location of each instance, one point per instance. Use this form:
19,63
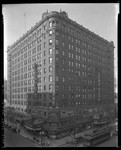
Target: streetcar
96,138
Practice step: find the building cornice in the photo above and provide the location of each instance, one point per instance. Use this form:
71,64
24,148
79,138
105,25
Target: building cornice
64,17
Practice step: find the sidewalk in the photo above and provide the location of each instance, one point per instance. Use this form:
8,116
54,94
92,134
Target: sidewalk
30,137
52,143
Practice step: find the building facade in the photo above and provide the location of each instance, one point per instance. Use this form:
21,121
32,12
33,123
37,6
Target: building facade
75,72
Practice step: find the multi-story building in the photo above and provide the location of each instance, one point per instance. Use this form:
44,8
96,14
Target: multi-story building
75,72
5,89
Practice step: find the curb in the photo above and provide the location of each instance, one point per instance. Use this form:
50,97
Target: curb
23,135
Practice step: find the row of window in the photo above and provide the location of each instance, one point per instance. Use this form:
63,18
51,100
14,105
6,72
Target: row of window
82,111
38,56
70,30
29,43
79,34
30,74
71,96
19,102
30,89
30,81
39,63
84,59
50,42
70,88
25,49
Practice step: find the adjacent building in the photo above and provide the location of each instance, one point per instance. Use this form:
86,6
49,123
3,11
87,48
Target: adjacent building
73,77
5,89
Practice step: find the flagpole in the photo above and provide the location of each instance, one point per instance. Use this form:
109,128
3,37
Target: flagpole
25,20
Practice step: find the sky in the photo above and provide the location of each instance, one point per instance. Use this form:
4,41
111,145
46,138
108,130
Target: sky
98,18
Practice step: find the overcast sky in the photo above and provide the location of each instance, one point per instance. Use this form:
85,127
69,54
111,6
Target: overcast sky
99,18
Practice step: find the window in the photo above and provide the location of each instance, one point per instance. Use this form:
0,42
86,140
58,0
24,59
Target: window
44,44
63,79
50,51
77,57
25,89
57,23
56,78
39,56
34,58
63,43
39,80
29,74
45,113
50,41
57,33
50,60
63,34
29,60
44,79
38,48
25,62
72,47
25,55
69,54
34,51
69,46
56,59
56,42
56,51
39,63
56,87
44,53
29,82
72,64
63,61
44,27
50,87
25,76
44,36
39,88
63,53
69,63
44,70
40,71
53,23
29,67
50,32
50,24
72,55
50,78
44,87
50,69
44,61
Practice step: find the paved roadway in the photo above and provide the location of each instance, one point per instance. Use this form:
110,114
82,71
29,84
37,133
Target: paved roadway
112,142
17,140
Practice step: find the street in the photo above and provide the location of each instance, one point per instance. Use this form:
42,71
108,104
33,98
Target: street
112,142
16,140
